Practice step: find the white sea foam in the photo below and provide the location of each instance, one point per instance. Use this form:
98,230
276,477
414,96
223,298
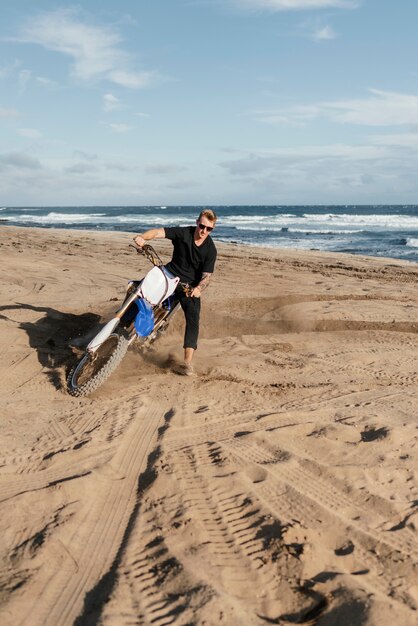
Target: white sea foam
152,220
293,244
239,220
412,242
329,221
314,231
57,218
392,222
102,218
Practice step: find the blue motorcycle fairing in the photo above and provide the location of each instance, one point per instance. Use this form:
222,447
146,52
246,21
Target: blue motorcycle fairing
144,319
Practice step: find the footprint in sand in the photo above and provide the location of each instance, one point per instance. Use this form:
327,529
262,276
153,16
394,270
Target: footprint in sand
256,474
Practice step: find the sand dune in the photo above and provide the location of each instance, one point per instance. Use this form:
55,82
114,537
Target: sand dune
278,486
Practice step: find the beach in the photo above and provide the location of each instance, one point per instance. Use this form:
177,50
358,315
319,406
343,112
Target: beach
277,486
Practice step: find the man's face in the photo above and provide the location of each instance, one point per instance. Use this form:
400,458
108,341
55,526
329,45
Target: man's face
203,228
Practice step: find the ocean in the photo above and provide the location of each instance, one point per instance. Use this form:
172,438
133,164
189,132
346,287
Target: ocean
388,231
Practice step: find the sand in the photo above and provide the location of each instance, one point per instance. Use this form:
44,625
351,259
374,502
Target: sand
278,486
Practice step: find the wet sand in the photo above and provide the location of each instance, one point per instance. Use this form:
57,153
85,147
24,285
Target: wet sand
278,486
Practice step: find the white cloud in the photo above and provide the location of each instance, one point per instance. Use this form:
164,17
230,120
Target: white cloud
87,156
404,140
118,128
285,159
296,116
95,50
121,128
164,169
111,102
119,166
181,185
81,168
328,173
381,108
19,161
293,5
323,33
30,133
46,82
131,79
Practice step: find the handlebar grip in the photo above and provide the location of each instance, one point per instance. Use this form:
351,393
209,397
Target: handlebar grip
148,251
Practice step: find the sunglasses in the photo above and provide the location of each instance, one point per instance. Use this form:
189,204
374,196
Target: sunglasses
204,227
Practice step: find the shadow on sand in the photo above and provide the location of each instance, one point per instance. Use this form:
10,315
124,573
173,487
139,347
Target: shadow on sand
54,334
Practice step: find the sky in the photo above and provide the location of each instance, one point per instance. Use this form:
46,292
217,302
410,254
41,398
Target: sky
208,102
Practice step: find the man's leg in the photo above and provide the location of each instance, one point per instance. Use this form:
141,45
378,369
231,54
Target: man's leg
188,355
191,308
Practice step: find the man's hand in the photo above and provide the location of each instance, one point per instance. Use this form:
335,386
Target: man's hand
196,292
148,235
139,240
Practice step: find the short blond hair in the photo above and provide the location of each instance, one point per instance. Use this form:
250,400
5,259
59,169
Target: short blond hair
209,214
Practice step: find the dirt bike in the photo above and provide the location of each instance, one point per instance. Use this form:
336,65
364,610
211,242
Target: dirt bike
144,315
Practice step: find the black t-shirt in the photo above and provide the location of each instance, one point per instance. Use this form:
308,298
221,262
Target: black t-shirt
189,260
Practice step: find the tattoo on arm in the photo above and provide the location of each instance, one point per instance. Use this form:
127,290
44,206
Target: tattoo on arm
206,276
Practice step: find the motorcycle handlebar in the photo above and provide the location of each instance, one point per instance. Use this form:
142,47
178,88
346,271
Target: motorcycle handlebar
150,253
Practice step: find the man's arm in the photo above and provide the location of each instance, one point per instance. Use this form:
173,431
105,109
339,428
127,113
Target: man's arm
153,233
197,291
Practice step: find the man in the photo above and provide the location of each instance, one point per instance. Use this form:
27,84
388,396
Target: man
194,257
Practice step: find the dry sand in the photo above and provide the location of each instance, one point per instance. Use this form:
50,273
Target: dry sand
278,486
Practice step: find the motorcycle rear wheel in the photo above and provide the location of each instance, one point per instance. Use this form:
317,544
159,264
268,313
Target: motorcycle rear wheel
93,370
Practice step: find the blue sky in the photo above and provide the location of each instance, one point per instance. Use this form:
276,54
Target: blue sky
208,102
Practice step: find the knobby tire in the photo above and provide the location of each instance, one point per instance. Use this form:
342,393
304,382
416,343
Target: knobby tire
93,370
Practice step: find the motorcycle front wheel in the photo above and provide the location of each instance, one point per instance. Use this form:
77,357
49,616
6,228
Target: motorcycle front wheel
93,369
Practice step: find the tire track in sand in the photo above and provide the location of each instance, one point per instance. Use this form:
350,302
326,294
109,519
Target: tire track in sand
297,496
78,556
236,538
326,495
